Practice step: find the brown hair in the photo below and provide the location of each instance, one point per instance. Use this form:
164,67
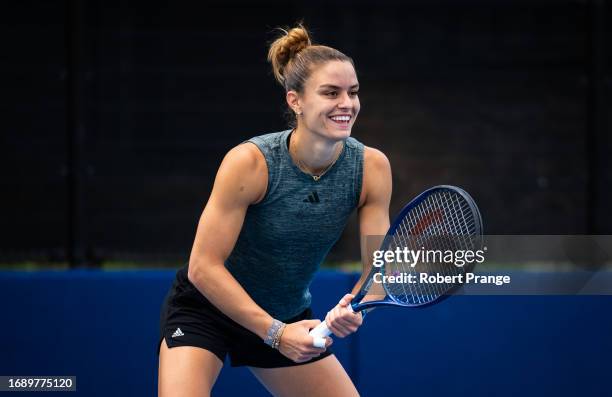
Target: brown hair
294,57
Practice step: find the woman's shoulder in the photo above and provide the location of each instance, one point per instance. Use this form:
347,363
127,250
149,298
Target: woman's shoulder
244,156
375,157
269,140
376,177
244,169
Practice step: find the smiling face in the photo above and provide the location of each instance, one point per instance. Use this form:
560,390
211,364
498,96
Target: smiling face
329,103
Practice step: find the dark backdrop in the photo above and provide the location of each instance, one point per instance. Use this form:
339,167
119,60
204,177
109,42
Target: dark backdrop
116,114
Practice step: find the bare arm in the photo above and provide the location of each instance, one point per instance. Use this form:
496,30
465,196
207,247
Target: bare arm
374,210
373,221
240,181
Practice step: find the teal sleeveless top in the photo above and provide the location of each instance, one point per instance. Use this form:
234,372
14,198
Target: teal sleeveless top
286,236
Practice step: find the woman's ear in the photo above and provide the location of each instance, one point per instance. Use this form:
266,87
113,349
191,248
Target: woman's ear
293,100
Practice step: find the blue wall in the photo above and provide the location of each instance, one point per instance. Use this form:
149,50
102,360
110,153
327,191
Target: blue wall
103,328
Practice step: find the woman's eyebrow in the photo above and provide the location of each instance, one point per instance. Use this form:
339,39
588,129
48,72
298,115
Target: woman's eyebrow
335,87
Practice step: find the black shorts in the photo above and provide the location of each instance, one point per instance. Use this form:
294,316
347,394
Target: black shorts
189,319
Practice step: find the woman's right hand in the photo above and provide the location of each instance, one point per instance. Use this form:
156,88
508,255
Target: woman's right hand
297,345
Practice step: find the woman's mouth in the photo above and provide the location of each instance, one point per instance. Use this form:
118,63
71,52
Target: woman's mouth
342,120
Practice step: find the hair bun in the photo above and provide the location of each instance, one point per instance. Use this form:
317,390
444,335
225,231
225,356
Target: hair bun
286,48
292,43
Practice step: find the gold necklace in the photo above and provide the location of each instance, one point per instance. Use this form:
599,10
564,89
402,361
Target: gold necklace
302,167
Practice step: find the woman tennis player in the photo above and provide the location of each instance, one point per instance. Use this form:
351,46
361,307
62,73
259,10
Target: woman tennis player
279,203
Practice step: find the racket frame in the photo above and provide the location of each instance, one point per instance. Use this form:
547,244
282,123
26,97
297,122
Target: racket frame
388,300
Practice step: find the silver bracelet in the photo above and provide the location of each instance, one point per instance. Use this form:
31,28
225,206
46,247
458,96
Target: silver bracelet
273,332
277,338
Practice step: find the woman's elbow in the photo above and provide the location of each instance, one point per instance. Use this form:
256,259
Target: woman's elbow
194,272
199,269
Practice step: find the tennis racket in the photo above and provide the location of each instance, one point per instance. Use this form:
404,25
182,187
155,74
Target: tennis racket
442,219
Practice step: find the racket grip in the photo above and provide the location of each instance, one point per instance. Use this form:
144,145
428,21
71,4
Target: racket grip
318,334
321,331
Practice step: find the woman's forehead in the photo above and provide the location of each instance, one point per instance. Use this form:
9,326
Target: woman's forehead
335,73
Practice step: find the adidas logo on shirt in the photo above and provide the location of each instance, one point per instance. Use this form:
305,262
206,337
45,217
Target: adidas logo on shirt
312,198
178,332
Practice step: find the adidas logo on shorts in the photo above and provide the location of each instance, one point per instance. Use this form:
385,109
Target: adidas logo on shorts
178,332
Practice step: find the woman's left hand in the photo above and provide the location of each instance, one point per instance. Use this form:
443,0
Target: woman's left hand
341,320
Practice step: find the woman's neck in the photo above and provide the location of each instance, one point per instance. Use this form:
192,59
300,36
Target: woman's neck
314,153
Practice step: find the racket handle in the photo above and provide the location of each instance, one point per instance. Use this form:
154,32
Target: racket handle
319,332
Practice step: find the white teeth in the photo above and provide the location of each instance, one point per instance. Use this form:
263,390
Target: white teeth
341,118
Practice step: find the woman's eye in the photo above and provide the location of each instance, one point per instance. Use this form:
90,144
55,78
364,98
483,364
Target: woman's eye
334,94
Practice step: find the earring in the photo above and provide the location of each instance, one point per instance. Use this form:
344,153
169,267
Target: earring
298,113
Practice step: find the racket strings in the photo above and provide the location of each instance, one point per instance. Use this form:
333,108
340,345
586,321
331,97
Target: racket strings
416,293
443,222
